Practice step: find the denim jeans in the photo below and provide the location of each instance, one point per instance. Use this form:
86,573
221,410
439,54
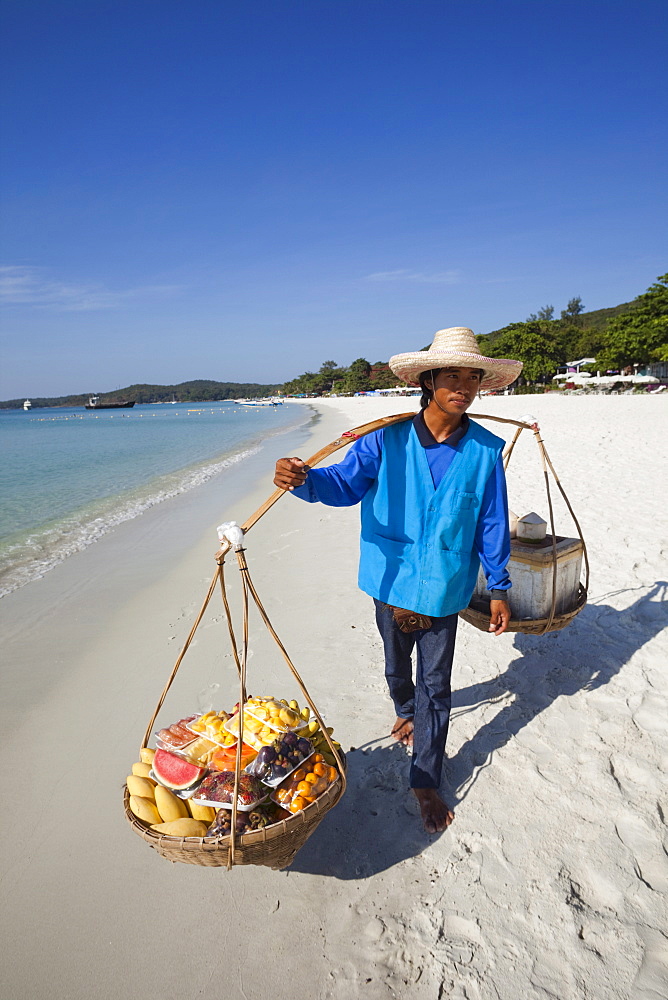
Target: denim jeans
427,701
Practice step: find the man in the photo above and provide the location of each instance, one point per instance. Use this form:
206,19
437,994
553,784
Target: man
434,506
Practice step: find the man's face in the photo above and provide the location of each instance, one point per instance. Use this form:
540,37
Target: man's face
456,388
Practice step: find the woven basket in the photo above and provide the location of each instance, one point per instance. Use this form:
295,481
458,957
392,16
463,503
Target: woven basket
477,614
273,847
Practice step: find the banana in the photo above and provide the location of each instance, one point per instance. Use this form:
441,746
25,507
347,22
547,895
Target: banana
143,787
206,814
293,705
146,755
305,713
144,809
169,806
313,726
182,828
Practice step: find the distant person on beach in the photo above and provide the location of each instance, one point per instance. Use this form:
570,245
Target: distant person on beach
434,506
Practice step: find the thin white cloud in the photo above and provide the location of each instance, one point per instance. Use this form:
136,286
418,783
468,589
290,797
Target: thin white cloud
421,277
30,286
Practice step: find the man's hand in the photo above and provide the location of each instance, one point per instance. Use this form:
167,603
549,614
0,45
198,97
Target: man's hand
290,472
499,616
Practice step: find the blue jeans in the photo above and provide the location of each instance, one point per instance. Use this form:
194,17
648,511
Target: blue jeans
427,701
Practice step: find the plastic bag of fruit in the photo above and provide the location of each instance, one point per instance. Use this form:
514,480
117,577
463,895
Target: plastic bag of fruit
218,790
305,784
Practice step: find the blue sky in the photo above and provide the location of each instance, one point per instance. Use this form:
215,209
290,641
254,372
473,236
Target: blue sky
240,191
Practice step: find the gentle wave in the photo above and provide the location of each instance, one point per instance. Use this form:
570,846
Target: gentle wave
31,557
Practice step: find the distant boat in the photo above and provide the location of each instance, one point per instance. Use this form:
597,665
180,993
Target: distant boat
95,404
27,405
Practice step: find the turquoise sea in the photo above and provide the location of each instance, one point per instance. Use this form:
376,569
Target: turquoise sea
70,475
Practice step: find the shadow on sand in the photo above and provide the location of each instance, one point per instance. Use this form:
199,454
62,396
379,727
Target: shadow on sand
376,824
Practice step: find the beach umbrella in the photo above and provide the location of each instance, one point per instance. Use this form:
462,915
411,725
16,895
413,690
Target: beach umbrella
571,376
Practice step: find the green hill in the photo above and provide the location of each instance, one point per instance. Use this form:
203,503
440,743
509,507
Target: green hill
195,391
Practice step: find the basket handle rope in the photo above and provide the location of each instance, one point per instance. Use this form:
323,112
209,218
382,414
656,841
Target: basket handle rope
248,588
530,424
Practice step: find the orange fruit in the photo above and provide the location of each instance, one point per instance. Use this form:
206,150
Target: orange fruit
311,778
320,768
297,804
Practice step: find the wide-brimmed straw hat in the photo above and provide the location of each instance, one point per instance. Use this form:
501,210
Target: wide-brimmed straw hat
456,347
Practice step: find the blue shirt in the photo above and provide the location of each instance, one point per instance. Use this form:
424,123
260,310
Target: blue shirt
344,485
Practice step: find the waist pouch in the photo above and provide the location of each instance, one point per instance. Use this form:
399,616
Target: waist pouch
409,621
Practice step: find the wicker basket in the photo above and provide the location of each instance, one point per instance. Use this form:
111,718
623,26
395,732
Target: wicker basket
477,614
273,847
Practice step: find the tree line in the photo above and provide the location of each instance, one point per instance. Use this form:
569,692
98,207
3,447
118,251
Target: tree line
633,333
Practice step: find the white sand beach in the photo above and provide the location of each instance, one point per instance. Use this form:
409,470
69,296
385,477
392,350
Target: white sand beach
552,881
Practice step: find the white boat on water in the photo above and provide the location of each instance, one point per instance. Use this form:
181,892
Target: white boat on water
27,405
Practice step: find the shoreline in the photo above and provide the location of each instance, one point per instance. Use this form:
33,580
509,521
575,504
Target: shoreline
552,874
75,530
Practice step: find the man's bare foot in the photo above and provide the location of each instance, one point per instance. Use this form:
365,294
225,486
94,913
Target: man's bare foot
402,730
436,814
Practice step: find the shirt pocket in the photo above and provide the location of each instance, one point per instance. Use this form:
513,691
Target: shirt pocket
459,500
393,546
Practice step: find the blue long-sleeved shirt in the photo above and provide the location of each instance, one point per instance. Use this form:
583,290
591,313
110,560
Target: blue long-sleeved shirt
344,485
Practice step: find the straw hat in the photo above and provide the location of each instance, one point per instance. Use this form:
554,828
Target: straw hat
456,347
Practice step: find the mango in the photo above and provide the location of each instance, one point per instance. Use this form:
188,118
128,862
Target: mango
169,805
144,809
146,755
206,814
141,769
182,828
143,787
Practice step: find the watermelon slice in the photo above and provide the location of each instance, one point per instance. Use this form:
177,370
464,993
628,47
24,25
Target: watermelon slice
175,772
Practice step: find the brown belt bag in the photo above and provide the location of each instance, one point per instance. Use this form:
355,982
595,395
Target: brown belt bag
409,621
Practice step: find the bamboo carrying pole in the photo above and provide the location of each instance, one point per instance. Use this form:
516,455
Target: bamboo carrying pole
357,432
340,442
